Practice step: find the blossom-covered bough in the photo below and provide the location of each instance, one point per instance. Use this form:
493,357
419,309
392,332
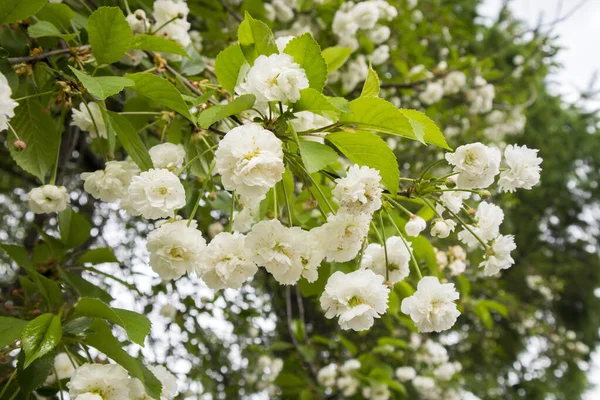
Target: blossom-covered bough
304,185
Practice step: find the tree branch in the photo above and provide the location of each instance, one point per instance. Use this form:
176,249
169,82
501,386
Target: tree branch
43,56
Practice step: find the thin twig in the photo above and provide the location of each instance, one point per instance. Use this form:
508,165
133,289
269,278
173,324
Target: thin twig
43,56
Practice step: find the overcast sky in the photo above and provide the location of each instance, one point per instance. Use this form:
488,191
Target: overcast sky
580,58
578,35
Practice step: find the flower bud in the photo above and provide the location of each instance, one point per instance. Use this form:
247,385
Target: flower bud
484,194
450,183
19,145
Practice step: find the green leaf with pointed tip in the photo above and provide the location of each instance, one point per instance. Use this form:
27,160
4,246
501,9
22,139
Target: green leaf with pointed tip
228,65
160,90
102,87
47,29
426,128
192,65
17,10
157,43
74,228
40,336
131,141
109,34
102,339
217,113
314,101
35,375
378,115
364,148
255,39
84,287
136,325
307,53
60,15
371,86
98,256
316,156
10,330
335,57
38,130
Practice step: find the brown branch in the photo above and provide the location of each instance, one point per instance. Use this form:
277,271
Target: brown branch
43,56
231,11
288,306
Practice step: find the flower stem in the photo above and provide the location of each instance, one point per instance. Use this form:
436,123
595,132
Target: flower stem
8,383
464,224
200,195
412,256
231,211
399,206
13,130
384,240
163,25
275,205
287,204
34,95
429,168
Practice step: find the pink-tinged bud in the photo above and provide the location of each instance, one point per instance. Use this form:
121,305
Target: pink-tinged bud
19,145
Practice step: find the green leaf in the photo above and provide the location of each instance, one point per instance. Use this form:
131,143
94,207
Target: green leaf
364,148
74,228
378,115
98,256
307,54
484,314
131,141
157,43
217,113
395,385
495,306
340,103
192,65
424,251
83,287
102,87
60,15
160,90
10,330
227,66
109,34
425,128
279,346
136,325
48,288
314,101
102,339
390,341
316,156
17,10
47,29
40,336
38,130
255,39
335,57
35,375
371,86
